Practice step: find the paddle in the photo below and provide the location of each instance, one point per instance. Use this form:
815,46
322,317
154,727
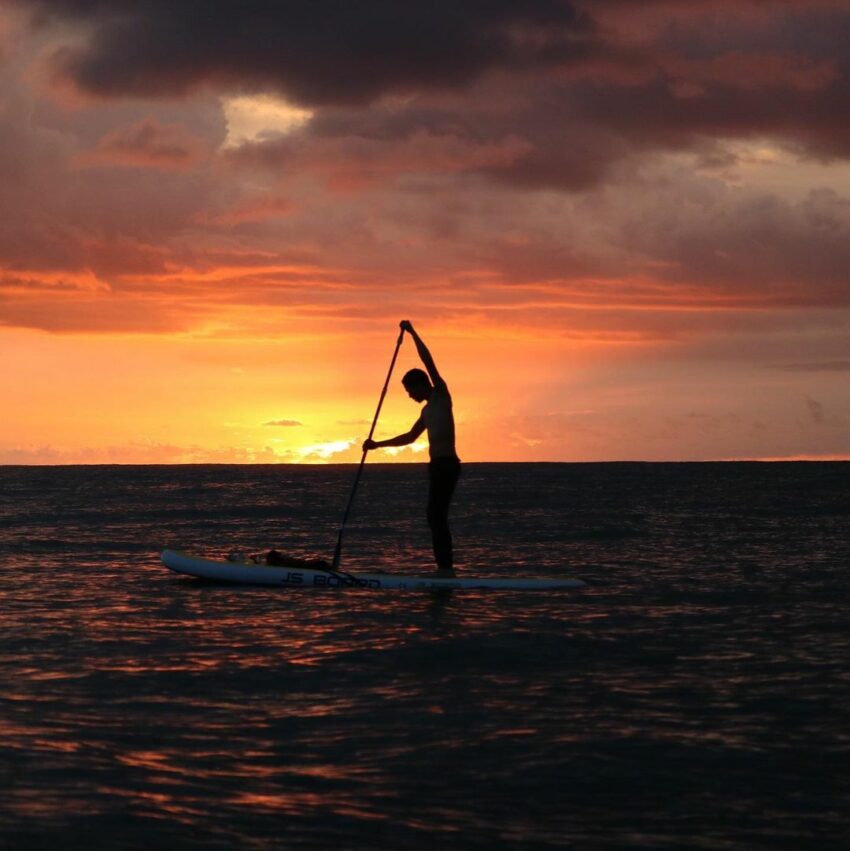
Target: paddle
338,550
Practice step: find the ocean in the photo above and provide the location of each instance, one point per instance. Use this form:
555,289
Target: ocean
695,695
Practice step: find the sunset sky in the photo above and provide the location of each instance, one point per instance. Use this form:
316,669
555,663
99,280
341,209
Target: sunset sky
622,227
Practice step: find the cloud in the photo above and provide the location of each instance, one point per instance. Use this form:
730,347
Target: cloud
816,366
317,52
759,245
80,312
145,144
142,452
30,455
815,410
585,82
354,161
326,452
283,423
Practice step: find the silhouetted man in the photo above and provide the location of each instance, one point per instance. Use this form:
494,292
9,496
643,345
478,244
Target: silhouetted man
444,467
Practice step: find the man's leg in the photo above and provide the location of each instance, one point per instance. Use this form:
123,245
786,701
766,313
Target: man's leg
443,473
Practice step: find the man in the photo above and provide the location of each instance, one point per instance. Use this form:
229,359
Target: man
444,468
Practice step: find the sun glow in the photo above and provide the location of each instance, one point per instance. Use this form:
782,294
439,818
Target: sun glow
322,451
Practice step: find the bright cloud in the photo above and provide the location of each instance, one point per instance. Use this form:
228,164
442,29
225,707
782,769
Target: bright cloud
260,118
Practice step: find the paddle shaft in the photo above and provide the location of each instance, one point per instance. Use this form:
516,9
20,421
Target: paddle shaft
338,550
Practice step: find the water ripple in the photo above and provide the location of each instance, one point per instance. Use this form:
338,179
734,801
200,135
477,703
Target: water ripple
694,695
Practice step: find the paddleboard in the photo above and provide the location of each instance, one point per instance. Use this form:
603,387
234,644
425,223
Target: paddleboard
251,573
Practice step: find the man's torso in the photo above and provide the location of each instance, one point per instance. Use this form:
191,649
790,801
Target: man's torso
439,420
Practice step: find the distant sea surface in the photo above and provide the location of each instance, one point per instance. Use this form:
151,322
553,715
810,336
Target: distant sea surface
696,695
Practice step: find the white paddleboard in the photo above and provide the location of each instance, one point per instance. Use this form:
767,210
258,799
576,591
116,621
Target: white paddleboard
250,573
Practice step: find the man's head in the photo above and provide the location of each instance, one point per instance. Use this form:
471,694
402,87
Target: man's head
416,383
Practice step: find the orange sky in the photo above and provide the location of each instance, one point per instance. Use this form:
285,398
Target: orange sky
624,232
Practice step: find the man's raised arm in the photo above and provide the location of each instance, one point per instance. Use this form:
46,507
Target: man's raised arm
424,354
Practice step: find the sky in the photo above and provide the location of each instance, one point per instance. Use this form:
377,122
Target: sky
623,228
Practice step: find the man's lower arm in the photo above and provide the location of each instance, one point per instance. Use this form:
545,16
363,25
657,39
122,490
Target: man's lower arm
399,440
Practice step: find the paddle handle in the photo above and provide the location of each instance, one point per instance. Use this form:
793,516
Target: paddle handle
338,550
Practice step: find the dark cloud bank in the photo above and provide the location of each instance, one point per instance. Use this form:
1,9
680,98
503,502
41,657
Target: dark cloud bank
316,51
585,83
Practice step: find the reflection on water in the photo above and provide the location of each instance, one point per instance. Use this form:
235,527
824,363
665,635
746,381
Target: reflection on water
693,696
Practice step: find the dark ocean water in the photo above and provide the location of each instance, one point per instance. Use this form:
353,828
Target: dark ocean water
696,695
